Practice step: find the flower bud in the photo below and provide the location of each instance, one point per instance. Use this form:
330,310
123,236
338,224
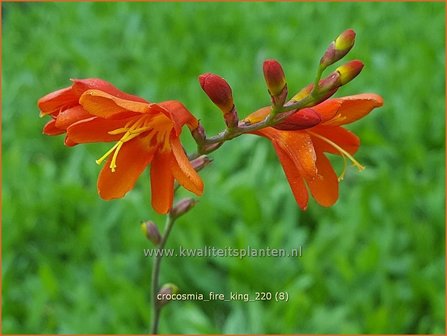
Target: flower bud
329,83
304,92
344,42
198,133
338,48
218,90
151,232
165,294
349,71
201,162
274,77
326,88
301,119
182,207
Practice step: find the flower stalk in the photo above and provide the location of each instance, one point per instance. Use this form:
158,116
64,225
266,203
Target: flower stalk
156,308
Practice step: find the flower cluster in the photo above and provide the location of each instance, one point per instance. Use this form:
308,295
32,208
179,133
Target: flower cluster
301,129
144,133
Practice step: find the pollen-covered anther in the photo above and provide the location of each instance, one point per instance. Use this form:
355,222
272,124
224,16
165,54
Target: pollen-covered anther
132,130
342,152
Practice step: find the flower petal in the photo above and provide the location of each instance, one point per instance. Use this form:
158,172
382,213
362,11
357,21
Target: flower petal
179,114
328,109
354,108
162,183
338,135
95,130
297,145
182,169
325,187
294,177
132,159
82,85
51,129
56,101
68,117
104,105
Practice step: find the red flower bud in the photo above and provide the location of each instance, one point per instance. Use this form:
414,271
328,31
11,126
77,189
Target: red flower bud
301,119
218,91
349,71
274,76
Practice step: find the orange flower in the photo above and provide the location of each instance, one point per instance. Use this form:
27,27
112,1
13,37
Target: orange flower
145,134
64,108
301,139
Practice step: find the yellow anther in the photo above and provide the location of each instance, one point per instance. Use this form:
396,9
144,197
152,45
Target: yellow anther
159,126
343,153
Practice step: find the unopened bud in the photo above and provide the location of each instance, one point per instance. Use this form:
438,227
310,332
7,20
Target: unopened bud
218,90
349,71
338,48
274,77
301,119
329,83
151,232
182,207
165,294
201,162
303,93
326,88
198,133
345,41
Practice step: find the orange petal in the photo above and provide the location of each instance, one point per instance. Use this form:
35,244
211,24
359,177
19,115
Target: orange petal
340,136
355,107
182,169
68,117
132,159
95,130
57,100
162,183
82,85
297,145
328,109
104,105
51,129
325,187
179,114
294,177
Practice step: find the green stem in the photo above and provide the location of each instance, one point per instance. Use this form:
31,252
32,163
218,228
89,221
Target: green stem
156,308
270,120
317,80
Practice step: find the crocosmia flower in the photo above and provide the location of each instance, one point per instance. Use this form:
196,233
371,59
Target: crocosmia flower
144,134
301,140
64,108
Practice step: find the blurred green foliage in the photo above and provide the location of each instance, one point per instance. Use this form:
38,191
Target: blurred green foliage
373,263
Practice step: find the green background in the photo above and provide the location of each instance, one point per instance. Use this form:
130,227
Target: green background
373,263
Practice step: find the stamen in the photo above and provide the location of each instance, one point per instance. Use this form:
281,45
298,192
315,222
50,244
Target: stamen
102,158
115,155
134,128
343,153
